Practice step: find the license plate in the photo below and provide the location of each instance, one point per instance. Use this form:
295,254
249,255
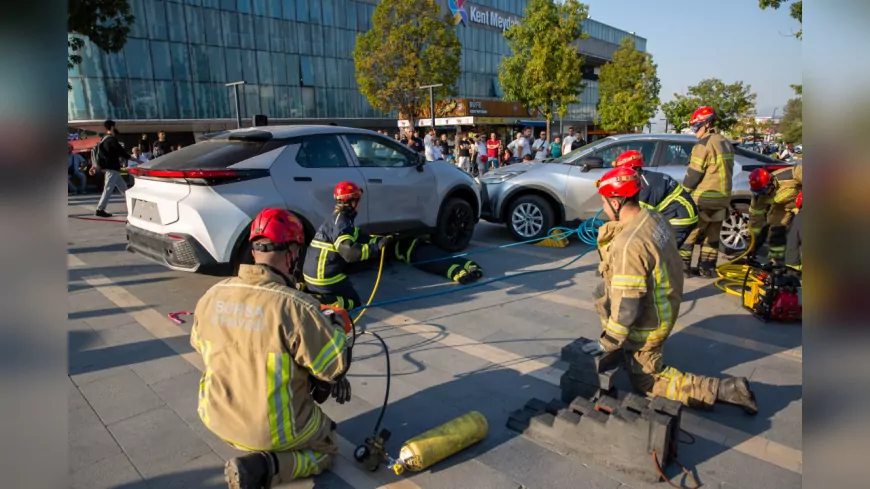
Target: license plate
147,211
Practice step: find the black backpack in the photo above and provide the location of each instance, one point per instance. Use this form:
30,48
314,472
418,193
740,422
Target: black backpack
97,156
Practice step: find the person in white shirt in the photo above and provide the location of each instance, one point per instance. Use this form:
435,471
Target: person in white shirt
569,139
137,159
436,152
429,145
787,152
519,146
540,146
480,155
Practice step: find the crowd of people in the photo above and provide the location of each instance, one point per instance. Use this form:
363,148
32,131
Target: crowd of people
477,154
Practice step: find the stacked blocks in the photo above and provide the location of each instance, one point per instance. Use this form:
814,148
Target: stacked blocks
615,430
588,376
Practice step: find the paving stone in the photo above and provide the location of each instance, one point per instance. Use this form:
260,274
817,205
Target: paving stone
90,445
120,396
76,399
82,418
110,473
206,472
158,442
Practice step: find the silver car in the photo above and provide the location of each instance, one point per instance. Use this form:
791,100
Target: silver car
192,209
530,198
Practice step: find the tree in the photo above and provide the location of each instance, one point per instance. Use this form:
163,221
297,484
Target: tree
628,89
791,125
105,23
678,111
411,43
545,70
795,11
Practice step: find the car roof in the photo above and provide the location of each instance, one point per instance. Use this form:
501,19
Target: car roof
689,138
288,131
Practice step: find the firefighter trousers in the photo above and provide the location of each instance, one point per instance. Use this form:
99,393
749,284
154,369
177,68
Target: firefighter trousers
341,295
681,234
711,213
649,375
777,235
418,253
310,458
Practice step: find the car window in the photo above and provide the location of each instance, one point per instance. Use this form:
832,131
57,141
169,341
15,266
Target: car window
571,156
678,154
610,153
320,152
375,151
767,160
212,154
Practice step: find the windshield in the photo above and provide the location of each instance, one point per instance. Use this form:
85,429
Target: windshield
570,157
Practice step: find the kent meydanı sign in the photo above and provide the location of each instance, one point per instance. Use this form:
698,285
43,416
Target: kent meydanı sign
463,13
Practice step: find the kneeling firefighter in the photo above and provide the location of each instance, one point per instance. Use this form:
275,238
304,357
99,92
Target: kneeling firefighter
663,194
262,341
773,203
639,300
337,243
427,257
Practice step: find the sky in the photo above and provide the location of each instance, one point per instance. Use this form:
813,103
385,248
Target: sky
733,40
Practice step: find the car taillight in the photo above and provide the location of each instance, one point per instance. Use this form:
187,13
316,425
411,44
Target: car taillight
198,176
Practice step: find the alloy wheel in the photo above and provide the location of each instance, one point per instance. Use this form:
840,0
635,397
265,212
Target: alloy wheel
527,220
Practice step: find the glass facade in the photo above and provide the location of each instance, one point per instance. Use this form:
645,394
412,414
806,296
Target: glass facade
294,55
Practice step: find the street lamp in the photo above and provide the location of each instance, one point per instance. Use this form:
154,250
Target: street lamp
235,86
431,100
666,125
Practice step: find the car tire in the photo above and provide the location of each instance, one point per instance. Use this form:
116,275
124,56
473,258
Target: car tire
529,217
734,237
455,226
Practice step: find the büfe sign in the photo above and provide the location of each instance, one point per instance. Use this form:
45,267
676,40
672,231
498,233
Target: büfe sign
470,107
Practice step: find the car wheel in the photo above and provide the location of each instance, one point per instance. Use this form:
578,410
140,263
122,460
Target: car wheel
734,237
455,226
529,217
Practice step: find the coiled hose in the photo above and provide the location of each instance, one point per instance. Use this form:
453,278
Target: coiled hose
732,275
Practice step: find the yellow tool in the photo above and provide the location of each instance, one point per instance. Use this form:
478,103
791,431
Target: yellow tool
435,445
557,239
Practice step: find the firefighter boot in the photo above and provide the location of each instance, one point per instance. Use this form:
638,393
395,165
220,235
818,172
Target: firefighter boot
735,390
252,471
463,277
476,272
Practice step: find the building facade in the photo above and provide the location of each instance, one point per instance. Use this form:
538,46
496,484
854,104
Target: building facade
294,57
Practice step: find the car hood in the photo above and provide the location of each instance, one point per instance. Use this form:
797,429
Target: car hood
523,167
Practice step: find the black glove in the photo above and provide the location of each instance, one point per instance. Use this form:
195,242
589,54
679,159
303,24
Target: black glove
341,390
384,242
319,389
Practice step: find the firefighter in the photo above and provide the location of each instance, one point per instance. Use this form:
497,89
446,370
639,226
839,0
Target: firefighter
773,203
708,179
337,243
639,299
258,337
662,193
794,243
429,258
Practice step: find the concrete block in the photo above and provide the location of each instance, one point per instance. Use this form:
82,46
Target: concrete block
537,405
572,390
582,405
566,419
607,403
635,403
554,406
574,355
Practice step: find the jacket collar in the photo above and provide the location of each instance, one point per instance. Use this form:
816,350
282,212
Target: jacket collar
265,273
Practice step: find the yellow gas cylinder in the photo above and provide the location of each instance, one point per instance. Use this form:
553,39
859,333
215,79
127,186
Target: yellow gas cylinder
435,445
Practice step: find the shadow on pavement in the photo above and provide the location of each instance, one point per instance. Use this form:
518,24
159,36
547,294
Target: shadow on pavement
95,313
97,249
75,288
81,361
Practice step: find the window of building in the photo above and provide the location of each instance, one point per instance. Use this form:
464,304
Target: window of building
195,24
289,9
677,154
264,67
377,152
295,102
319,72
267,100
246,31
165,95
138,55
282,102
611,152
252,101
320,152
212,19
275,9
199,62
361,13
293,69
276,35
261,33
259,7
230,29
303,37
115,65
221,101
309,107
279,69
77,110
155,15
139,28
185,98
177,27
332,73
180,61
322,97
249,67
350,14
243,6
317,40
118,96
95,90
229,5
217,64
302,10
234,65
290,39
307,71
330,41
328,13
204,101
212,4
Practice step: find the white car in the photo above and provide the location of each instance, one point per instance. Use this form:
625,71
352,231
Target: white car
191,209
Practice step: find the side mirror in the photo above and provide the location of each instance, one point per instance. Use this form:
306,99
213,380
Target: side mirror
590,163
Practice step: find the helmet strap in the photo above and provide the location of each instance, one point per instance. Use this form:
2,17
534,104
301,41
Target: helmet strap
616,211
270,247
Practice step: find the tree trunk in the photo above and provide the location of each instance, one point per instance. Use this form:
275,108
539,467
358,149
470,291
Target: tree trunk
548,135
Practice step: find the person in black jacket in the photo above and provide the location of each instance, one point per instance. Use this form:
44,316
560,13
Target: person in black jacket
337,243
665,195
108,158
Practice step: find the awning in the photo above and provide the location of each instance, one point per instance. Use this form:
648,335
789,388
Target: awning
533,123
84,145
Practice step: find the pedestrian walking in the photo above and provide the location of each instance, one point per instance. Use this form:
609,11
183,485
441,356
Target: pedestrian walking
109,155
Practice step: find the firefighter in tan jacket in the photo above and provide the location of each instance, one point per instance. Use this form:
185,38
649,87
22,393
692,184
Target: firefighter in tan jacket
639,300
774,203
708,179
261,340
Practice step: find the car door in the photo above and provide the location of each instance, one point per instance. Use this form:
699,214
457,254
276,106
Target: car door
582,198
398,192
674,158
308,170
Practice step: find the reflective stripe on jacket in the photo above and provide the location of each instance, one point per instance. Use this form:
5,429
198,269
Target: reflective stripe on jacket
643,279
665,195
337,243
713,158
260,339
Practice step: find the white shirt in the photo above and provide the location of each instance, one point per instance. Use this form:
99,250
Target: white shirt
566,144
136,161
428,146
481,149
523,145
541,144
436,153
785,155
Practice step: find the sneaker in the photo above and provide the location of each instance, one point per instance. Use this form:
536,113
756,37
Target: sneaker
102,213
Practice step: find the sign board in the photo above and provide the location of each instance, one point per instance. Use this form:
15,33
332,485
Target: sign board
471,107
461,121
465,13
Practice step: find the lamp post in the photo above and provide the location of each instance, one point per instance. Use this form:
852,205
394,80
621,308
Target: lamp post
235,86
432,99
666,125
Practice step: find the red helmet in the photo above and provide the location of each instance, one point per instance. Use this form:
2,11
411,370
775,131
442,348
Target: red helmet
621,181
702,115
345,191
279,226
800,199
631,158
759,179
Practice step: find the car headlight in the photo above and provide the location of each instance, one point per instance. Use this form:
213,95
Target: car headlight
500,177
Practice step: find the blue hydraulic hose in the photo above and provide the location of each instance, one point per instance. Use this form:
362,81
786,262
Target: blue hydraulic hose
587,232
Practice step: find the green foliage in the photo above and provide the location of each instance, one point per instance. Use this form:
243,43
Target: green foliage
731,102
791,125
798,89
628,89
105,23
545,69
796,11
411,43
